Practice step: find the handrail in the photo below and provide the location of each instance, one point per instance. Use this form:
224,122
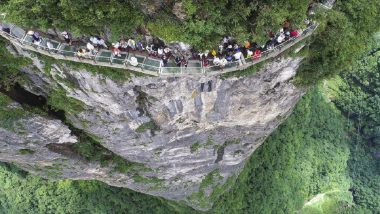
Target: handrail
97,59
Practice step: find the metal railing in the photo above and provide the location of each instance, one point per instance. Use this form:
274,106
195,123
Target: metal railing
145,64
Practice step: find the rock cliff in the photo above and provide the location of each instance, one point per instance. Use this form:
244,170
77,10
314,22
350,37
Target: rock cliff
182,138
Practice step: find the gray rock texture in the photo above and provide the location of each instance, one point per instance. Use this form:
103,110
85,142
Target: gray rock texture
182,129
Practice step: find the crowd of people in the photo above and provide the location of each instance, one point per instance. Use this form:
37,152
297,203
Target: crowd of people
228,50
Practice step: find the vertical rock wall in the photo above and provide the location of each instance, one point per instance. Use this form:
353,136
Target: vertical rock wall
180,132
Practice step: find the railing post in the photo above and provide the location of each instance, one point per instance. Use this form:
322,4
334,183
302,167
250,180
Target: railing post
202,68
96,55
23,38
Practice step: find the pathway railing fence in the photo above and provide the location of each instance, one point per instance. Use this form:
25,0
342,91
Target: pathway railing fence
145,64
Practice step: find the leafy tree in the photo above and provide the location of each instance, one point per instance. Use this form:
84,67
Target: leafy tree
343,33
89,17
206,21
24,193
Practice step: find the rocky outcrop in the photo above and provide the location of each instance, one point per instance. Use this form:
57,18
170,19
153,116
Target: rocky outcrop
151,7
176,131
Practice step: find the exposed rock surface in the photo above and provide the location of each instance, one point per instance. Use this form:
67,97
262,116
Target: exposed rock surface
182,129
179,11
151,7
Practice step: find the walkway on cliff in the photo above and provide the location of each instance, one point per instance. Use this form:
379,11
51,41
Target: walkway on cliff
145,64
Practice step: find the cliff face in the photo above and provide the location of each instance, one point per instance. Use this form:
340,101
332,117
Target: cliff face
183,137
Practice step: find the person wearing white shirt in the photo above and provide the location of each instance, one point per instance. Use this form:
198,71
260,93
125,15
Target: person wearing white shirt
216,61
90,48
223,62
160,51
134,61
99,42
281,38
249,53
238,55
116,45
49,45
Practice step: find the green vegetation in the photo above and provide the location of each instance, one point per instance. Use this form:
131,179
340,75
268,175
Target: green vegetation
23,193
26,151
58,100
220,148
330,202
243,73
9,116
146,126
90,148
341,39
355,93
148,180
10,66
194,147
78,17
200,198
209,142
166,28
203,25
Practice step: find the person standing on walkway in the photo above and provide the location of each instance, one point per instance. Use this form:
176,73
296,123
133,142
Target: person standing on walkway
67,37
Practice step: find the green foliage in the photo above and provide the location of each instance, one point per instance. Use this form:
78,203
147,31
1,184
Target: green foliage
244,73
26,151
194,147
330,202
205,23
364,171
190,7
341,34
148,180
166,28
58,100
358,96
146,126
88,17
23,193
9,116
271,16
209,179
10,66
209,142
355,93
90,148
4,100
200,198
